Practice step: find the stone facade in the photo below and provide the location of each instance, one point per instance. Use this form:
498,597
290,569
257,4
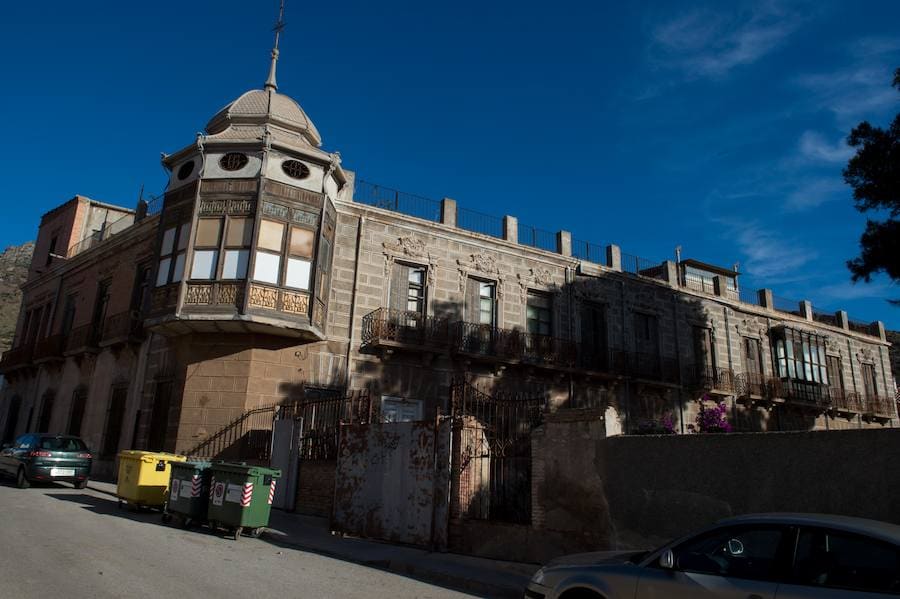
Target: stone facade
133,335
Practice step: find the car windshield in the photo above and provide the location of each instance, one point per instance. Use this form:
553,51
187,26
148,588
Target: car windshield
63,444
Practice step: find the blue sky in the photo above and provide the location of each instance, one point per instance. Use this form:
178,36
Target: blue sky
715,126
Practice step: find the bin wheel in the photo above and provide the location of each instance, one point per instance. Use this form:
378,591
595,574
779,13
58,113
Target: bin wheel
213,525
238,532
185,522
166,517
257,532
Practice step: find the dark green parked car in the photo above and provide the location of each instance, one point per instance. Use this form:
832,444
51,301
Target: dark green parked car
42,457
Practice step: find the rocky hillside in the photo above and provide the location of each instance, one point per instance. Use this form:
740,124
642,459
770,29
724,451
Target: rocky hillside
14,263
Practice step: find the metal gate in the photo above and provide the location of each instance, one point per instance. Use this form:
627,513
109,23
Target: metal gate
492,457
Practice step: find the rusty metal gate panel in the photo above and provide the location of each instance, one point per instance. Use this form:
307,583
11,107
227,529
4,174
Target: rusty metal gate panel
390,477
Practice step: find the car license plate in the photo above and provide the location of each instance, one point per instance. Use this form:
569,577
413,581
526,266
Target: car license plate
62,472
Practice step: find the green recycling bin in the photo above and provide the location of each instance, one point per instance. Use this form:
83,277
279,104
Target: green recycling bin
188,493
240,497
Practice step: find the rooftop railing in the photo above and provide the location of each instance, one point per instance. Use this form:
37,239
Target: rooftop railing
865,328
591,252
643,267
537,238
394,200
788,306
478,222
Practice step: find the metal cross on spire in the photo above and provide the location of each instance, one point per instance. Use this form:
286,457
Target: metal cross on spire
279,27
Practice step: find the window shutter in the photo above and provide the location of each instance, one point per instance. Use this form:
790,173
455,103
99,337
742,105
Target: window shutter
587,328
399,286
472,301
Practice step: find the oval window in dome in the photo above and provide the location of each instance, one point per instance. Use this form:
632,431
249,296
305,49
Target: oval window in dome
295,169
185,170
233,161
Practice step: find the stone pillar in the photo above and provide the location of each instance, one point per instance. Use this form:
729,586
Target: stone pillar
842,320
720,285
614,257
765,299
806,310
448,212
564,243
511,228
672,273
879,326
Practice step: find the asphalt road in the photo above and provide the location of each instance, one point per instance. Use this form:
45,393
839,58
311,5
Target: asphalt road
60,542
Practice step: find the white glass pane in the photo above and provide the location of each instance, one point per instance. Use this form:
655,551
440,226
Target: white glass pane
267,267
204,266
179,268
235,265
168,243
486,289
415,276
297,273
162,275
183,235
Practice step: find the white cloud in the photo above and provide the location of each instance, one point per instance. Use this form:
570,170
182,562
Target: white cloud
768,254
814,147
706,44
851,291
813,193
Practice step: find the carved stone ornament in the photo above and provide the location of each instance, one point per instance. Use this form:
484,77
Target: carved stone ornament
479,264
409,247
865,355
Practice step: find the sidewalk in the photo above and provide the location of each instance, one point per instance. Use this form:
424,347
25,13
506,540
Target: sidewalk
478,576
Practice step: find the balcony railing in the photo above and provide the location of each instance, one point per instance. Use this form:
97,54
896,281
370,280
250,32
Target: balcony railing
83,339
711,378
751,385
846,401
511,345
121,328
18,357
881,406
50,348
801,392
387,326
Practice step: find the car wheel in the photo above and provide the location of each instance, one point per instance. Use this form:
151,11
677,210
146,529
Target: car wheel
80,484
22,480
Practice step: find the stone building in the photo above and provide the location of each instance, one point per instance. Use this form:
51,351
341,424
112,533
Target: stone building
266,269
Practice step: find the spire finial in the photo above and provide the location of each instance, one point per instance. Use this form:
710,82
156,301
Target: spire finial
279,26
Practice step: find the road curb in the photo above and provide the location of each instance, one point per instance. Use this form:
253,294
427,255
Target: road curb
425,574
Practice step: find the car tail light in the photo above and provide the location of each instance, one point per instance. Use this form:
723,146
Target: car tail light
40,454
86,456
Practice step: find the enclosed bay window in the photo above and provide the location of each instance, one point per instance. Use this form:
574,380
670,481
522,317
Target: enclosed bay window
206,248
800,355
172,254
280,247
238,237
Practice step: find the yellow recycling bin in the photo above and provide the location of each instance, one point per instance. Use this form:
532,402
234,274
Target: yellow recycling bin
144,478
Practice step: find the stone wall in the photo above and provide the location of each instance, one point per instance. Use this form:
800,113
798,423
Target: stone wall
640,491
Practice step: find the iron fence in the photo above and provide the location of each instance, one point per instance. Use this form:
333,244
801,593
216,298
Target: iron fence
537,238
699,282
478,222
751,385
865,328
825,318
591,252
788,306
321,419
394,200
708,378
749,296
492,461
881,406
247,437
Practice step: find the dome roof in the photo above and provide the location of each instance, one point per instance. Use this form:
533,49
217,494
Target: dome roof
259,107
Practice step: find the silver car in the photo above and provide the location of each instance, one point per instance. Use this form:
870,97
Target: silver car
765,556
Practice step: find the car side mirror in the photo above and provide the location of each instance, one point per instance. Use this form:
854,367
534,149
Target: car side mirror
667,560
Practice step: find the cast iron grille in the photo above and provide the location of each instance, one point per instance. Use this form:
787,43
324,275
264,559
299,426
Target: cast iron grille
295,169
233,161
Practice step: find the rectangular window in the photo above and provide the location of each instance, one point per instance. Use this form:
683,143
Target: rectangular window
593,334
302,242
51,250
840,560
486,303
171,255
407,294
46,413
204,266
206,249
870,383
68,314
141,286
703,347
835,373
101,303
297,275
646,333
237,248
538,313
267,267
115,417
76,414
299,264
752,356
271,236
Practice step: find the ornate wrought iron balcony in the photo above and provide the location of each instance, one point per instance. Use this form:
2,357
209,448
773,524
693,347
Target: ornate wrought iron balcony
751,386
848,402
387,327
83,339
713,379
802,393
50,348
880,406
123,327
513,346
18,357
